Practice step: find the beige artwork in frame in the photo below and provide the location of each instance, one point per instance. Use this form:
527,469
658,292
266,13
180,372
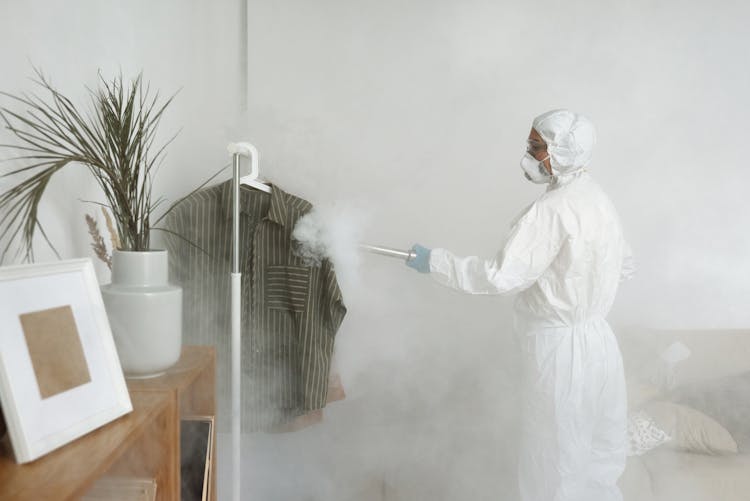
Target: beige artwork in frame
60,376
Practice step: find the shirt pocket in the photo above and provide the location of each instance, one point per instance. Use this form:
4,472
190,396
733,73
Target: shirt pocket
287,287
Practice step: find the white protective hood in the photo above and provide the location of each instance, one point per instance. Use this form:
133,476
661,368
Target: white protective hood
570,139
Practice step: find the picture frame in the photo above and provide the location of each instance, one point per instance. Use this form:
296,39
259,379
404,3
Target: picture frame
60,375
196,451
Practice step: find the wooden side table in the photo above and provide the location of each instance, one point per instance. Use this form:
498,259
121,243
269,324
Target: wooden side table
145,443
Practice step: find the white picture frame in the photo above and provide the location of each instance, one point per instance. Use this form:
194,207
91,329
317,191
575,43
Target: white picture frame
47,405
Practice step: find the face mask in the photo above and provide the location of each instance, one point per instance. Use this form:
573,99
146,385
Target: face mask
534,170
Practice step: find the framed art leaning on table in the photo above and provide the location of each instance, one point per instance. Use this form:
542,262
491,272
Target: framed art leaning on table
60,376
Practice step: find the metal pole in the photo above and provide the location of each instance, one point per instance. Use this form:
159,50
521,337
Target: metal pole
236,213
387,251
236,280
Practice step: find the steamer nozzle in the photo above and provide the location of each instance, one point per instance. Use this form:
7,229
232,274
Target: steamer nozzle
387,251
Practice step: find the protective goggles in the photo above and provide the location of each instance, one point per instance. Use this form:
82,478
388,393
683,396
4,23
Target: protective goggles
535,147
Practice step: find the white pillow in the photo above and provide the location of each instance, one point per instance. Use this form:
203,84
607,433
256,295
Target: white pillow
644,434
692,430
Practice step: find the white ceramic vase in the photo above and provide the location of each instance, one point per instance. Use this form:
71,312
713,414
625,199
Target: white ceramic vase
145,312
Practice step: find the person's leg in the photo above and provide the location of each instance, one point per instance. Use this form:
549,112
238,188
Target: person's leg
557,418
609,444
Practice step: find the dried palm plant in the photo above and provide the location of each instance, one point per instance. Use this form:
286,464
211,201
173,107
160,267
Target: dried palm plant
114,139
97,242
111,229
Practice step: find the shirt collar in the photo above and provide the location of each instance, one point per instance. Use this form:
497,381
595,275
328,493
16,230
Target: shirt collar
277,209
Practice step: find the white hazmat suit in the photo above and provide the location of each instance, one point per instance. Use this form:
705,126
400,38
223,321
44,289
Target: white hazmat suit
565,257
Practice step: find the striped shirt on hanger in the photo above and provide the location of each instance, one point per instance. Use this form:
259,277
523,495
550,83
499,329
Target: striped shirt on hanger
291,310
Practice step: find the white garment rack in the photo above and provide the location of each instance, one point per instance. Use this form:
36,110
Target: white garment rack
236,282
239,150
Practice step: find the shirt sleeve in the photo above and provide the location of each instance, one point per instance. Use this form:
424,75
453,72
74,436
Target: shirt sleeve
332,300
532,245
177,242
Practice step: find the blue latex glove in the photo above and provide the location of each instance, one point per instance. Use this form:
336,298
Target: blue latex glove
421,260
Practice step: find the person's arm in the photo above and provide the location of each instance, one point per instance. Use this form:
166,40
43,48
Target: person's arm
533,243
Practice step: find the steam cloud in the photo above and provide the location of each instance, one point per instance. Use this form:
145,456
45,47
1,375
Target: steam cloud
332,232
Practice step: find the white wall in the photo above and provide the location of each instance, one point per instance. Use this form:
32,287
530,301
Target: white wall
418,112
422,108
188,46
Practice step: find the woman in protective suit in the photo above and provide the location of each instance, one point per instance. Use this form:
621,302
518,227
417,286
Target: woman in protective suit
565,257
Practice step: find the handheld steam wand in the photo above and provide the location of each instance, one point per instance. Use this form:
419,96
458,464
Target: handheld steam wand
387,251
